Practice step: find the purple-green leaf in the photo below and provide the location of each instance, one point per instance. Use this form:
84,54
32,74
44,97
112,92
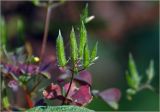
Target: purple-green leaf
111,97
84,77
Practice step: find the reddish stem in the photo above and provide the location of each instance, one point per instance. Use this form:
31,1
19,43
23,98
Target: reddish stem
72,77
29,101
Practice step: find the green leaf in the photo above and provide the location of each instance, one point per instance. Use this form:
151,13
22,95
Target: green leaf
94,52
150,71
86,60
74,49
133,70
83,39
5,102
60,51
64,108
3,33
62,1
36,2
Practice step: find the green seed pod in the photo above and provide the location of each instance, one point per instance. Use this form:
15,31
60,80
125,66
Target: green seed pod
74,49
86,60
83,39
60,51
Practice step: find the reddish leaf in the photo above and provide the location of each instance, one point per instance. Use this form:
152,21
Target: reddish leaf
78,96
84,77
52,91
82,96
73,89
111,96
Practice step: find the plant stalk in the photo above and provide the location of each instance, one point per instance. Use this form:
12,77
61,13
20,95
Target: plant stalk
27,97
47,20
71,81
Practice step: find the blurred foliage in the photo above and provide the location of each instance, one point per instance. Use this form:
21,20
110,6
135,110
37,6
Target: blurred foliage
143,43
134,80
36,2
3,32
20,30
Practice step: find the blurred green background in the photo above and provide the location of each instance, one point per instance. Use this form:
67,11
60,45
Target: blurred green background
120,28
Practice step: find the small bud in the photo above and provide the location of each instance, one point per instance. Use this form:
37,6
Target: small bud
36,59
131,91
129,97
